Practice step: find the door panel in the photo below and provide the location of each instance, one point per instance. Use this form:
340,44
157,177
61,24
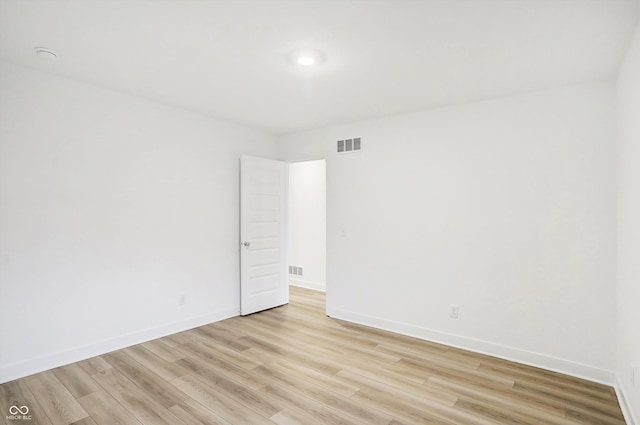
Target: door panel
263,215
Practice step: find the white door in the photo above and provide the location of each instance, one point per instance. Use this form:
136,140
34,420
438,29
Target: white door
263,214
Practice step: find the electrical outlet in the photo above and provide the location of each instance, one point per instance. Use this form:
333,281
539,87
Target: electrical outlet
453,311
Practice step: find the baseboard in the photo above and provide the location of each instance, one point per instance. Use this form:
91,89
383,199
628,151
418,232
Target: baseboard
479,346
629,418
50,361
308,284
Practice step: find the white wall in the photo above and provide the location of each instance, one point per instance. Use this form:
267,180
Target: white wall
628,290
307,223
112,208
505,208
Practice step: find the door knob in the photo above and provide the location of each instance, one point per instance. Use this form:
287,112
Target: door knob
246,243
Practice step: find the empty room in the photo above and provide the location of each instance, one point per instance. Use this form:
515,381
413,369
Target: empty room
319,212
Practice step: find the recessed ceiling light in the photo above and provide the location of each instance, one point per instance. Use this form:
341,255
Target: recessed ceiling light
307,57
45,53
306,60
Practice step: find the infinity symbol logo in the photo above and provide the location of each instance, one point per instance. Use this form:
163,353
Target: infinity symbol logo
14,410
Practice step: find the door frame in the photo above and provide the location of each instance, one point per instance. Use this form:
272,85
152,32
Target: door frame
312,157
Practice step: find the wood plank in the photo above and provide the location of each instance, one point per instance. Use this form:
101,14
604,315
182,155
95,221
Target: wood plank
175,339
134,399
104,409
59,404
587,404
221,335
153,385
193,413
231,356
440,358
162,350
586,416
220,350
421,410
309,359
472,377
85,421
293,416
201,361
323,396
94,365
504,414
77,381
159,366
536,406
300,371
411,394
556,380
226,385
396,340
16,393
226,407
315,410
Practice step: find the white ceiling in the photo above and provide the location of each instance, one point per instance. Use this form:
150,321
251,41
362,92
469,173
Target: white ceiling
228,59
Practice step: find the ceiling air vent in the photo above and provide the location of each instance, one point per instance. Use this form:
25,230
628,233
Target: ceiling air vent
349,145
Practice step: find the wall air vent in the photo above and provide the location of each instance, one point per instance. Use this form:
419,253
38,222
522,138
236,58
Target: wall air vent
349,145
295,270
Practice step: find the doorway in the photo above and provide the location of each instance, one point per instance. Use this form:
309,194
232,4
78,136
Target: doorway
307,236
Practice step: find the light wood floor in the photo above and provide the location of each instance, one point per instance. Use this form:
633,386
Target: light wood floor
294,365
